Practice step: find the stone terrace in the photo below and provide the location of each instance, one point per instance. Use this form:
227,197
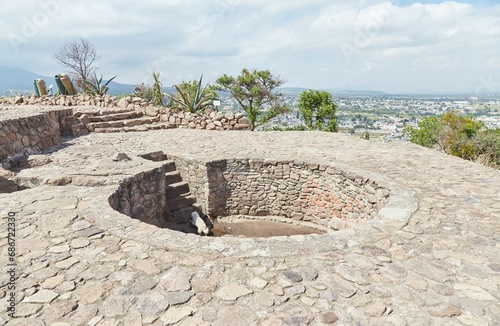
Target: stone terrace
82,263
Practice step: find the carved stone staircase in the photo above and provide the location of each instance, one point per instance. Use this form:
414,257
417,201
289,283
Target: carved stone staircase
71,126
124,120
180,201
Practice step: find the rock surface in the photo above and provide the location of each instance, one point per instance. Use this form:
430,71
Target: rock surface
80,262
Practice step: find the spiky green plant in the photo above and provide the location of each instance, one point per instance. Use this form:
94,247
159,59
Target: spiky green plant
93,87
157,90
195,100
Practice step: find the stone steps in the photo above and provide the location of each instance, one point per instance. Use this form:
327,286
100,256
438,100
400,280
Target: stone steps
181,202
145,127
125,120
173,177
71,126
175,190
94,112
115,116
170,168
92,126
183,215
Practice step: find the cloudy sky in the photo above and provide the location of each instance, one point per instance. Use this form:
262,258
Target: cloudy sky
395,46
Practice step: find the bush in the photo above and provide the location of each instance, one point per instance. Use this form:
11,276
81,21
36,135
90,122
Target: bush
365,135
143,91
152,93
487,148
460,136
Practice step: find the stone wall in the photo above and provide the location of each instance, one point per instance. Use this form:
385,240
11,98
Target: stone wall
143,197
28,132
209,120
107,101
106,104
195,174
317,193
306,192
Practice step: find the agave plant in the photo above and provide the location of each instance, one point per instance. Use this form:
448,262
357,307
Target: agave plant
195,100
93,87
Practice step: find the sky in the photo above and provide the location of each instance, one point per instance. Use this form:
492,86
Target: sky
392,46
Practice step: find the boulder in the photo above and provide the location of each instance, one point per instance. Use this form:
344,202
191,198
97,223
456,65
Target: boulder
243,120
123,102
241,126
19,100
218,116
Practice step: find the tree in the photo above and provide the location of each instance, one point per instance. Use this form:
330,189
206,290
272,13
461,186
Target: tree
318,110
80,56
255,93
193,96
427,134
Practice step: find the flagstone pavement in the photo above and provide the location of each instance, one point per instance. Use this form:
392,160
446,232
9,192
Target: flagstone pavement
79,262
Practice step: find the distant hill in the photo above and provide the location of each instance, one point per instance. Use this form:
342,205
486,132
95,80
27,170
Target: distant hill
295,91
18,79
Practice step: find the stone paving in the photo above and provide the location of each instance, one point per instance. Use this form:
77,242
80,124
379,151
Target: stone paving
81,263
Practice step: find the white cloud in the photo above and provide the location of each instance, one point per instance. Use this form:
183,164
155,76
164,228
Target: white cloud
419,45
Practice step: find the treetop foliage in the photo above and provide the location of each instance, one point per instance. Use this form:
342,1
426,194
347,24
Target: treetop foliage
254,90
318,110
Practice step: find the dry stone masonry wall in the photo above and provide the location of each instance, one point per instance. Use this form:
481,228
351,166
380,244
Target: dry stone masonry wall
29,134
166,118
34,124
195,173
143,197
305,192
317,193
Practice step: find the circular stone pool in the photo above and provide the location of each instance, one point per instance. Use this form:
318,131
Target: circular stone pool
310,197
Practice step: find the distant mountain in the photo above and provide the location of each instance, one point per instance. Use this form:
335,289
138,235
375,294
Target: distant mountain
117,88
18,79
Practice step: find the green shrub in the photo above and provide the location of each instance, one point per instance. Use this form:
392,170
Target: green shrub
94,87
193,96
365,135
461,136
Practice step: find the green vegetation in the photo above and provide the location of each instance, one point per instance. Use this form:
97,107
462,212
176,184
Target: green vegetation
464,137
254,92
295,128
157,90
94,87
193,96
143,91
150,93
318,110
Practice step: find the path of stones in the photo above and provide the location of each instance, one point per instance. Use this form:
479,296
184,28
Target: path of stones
81,263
